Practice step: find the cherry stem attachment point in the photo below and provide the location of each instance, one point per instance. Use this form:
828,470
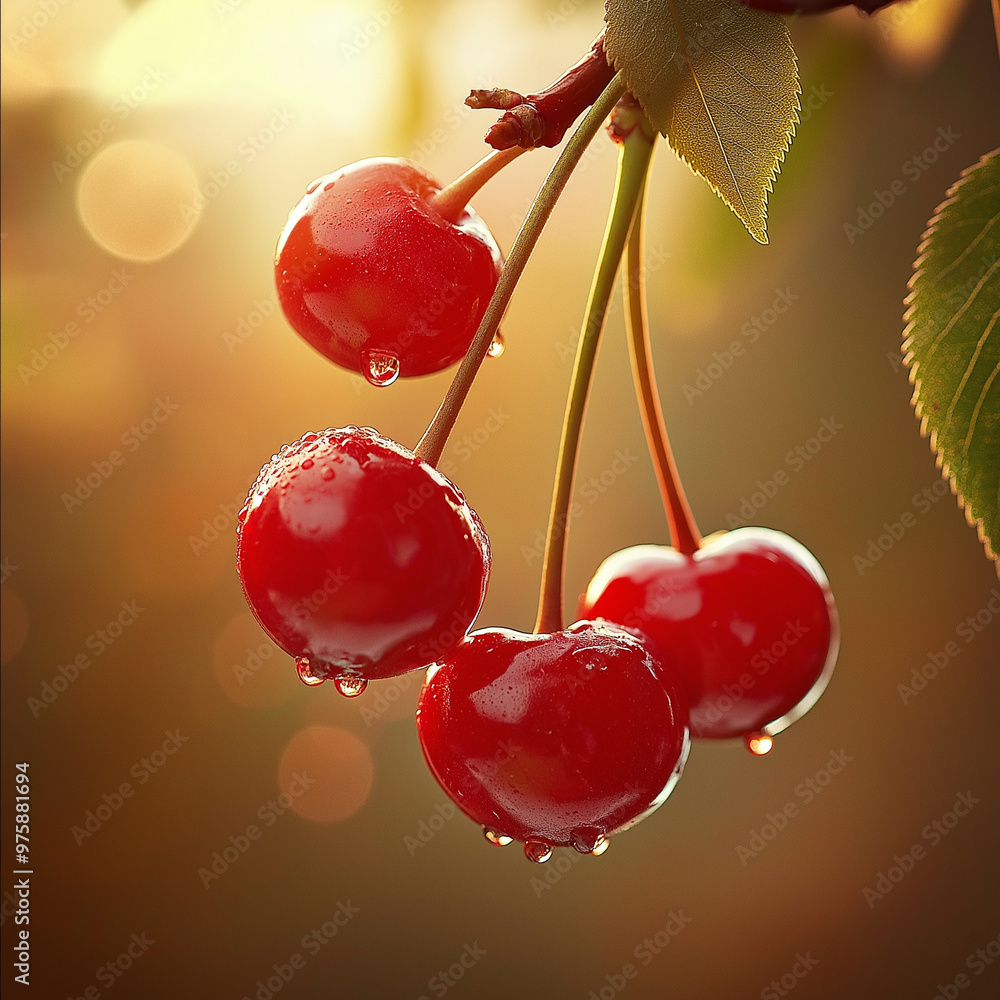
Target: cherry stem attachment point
431,445
452,200
683,530
633,163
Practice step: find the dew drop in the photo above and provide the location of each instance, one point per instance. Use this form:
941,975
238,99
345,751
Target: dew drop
497,345
312,187
589,840
758,744
328,185
350,685
601,848
537,851
307,463
497,839
304,668
380,367
327,473
242,515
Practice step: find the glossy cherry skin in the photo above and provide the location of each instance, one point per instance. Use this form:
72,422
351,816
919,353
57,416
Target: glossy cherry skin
359,557
372,276
748,622
553,739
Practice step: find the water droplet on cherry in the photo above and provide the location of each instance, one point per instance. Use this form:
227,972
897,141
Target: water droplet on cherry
537,851
601,847
758,744
380,367
328,185
307,463
312,186
304,670
497,345
588,840
327,473
350,685
497,839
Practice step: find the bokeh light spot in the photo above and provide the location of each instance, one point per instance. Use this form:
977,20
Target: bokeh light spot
139,200
338,766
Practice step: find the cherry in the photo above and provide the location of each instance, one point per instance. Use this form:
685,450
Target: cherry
379,276
554,739
747,620
358,558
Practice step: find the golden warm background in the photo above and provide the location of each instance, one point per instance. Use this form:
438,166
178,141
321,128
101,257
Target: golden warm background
131,326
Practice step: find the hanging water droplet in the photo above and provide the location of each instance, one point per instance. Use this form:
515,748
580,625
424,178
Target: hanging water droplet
497,839
497,345
350,685
380,367
758,744
537,851
304,668
588,840
601,848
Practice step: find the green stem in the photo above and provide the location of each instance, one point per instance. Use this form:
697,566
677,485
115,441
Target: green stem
451,201
633,163
683,530
432,444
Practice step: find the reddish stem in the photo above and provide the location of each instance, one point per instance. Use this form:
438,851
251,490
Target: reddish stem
542,119
451,201
683,530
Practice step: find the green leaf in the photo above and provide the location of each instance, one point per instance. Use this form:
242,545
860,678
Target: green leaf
952,342
720,81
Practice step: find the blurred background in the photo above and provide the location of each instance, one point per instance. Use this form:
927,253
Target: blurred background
147,374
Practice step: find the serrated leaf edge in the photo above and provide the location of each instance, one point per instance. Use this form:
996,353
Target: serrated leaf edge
912,365
775,167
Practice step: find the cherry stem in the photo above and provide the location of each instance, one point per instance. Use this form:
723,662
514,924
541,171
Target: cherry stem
542,119
683,530
431,445
633,163
451,201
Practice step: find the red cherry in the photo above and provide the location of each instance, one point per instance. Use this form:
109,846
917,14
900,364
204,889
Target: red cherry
358,558
748,622
554,739
371,273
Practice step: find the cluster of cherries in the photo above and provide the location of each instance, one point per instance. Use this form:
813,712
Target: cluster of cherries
561,738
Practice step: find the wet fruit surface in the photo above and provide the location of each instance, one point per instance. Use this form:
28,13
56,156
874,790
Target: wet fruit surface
748,623
359,559
370,273
559,739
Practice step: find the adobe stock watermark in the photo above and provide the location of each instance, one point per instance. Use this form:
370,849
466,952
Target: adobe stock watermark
784,984
464,447
118,111
932,834
427,828
268,814
373,26
248,324
451,121
912,169
103,469
751,331
245,153
805,792
88,309
894,531
967,630
796,459
214,529
95,819
445,979
977,963
383,697
38,20
313,942
98,642
111,972
591,489
643,953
